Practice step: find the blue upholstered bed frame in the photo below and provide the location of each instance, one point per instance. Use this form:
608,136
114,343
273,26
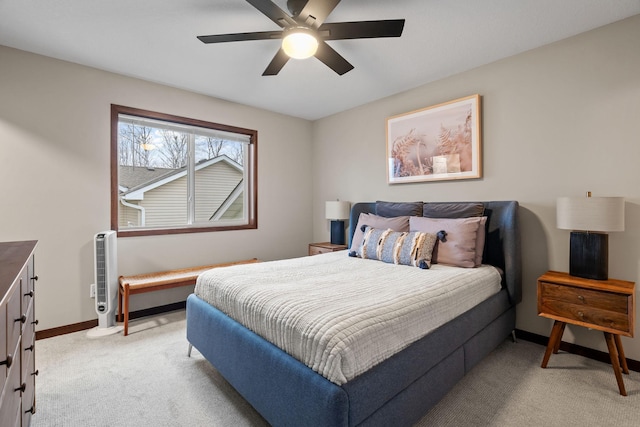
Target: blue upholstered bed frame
398,391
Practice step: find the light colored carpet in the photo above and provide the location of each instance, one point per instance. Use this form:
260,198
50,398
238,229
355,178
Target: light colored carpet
509,388
146,379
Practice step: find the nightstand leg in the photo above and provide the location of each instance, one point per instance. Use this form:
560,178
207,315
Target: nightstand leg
623,359
554,341
556,348
615,361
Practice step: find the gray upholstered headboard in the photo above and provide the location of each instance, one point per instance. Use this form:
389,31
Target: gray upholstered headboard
502,244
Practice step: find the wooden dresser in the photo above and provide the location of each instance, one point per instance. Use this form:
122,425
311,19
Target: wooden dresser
17,326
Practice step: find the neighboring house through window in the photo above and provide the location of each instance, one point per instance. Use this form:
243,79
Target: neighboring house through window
177,175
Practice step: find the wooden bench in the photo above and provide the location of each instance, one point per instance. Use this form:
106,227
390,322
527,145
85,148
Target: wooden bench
141,283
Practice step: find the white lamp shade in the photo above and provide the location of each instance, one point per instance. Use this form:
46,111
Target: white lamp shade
590,213
299,44
337,210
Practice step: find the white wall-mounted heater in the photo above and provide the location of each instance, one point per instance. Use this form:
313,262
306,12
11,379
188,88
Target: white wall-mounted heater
105,258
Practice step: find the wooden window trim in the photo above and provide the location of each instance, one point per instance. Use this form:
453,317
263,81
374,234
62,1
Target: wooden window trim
252,208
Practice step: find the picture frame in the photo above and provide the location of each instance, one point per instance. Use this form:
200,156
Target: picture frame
438,143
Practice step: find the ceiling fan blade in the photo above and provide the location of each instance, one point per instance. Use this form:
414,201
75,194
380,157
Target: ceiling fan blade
238,37
361,29
332,59
273,12
276,63
315,12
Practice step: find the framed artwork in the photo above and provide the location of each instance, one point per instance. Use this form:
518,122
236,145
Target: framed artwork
437,143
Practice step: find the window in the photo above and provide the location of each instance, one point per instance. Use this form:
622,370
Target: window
172,174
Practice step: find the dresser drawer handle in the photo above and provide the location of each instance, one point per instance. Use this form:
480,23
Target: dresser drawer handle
30,348
21,319
32,410
8,361
35,322
29,294
35,278
581,298
22,387
580,314
36,372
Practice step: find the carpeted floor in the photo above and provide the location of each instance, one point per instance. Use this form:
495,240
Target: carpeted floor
146,379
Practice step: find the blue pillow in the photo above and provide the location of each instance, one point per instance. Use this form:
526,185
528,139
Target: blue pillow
452,210
391,209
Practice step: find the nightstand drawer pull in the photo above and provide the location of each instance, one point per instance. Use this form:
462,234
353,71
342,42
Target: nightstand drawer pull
581,298
581,314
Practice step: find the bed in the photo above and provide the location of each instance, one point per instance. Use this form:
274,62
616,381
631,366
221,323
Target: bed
399,389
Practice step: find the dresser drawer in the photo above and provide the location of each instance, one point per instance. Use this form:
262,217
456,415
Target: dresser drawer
28,397
4,350
14,318
26,287
28,343
594,308
10,401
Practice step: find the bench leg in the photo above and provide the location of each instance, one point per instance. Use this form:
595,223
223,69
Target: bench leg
119,318
126,310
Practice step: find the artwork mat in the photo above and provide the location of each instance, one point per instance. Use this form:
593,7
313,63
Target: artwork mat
426,123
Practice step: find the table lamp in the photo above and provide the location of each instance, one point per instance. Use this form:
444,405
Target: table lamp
590,219
337,212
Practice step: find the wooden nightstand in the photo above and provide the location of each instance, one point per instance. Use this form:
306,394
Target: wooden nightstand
604,305
324,247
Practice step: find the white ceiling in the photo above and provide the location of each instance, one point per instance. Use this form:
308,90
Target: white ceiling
155,40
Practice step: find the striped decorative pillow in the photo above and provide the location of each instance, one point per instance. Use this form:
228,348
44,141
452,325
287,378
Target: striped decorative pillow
406,248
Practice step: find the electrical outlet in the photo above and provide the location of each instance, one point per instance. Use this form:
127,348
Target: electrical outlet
92,291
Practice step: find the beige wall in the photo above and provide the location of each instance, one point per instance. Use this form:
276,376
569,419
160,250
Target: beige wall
54,180
557,121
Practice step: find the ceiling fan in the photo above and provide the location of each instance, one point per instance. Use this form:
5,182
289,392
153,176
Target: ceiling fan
306,23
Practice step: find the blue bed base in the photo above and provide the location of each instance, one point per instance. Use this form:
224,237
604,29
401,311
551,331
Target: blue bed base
398,391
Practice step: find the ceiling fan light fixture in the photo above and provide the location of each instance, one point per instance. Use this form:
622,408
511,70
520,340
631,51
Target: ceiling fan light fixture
304,32
300,43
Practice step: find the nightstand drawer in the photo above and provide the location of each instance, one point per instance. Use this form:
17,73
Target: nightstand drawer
594,299
593,308
315,250
324,247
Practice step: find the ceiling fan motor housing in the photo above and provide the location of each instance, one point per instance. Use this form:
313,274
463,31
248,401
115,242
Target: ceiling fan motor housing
296,6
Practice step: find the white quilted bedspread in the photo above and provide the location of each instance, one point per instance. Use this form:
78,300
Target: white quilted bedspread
340,315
